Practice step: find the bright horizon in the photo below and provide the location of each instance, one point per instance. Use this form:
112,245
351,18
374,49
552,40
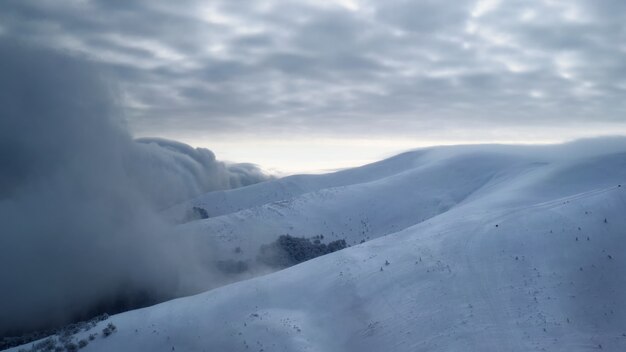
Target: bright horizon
283,157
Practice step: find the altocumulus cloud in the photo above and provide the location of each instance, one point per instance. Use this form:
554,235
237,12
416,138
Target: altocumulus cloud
79,198
347,67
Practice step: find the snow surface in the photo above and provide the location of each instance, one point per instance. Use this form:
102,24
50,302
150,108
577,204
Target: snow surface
481,248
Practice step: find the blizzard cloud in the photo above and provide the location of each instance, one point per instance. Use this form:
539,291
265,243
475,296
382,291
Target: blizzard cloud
186,171
79,226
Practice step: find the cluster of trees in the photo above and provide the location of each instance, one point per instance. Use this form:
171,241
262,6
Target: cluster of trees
288,250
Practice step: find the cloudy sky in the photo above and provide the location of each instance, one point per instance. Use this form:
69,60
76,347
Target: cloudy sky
307,85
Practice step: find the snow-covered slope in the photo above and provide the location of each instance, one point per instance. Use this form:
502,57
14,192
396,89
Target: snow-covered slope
487,248
356,212
432,182
228,201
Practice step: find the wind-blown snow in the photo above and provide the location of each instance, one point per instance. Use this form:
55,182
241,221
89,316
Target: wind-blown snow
481,248
79,198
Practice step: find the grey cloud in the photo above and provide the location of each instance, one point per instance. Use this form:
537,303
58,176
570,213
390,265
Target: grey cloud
427,16
170,171
308,65
79,197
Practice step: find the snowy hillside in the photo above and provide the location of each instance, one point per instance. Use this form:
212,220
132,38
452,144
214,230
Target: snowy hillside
469,248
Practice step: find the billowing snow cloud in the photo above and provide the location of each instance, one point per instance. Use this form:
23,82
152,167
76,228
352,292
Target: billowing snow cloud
79,227
348,67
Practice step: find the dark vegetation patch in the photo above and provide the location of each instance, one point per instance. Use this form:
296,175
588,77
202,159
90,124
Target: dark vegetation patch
60,339
288,250
200,213
124,301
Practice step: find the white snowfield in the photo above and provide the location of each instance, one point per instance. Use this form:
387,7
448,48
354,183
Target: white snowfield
468,248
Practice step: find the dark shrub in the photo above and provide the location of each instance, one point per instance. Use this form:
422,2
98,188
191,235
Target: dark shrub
110,328
200,213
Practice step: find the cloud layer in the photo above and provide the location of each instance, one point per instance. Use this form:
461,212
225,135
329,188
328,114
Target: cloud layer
79,198
346,67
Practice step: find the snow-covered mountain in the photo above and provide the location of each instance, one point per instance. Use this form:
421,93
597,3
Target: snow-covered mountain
466,248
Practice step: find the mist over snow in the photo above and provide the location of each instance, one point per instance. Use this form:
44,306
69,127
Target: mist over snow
457,248
79,197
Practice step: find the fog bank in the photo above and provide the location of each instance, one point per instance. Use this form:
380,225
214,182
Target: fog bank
79,198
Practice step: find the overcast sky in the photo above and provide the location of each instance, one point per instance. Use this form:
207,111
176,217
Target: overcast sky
306,85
